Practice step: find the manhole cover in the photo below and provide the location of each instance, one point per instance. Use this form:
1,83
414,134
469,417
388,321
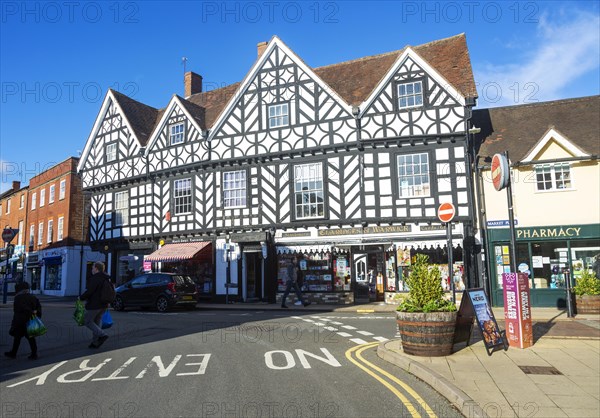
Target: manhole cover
540,370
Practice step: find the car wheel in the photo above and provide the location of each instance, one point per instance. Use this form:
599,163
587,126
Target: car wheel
162,304
118,304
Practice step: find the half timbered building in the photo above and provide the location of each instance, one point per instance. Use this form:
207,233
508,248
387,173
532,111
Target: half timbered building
344,165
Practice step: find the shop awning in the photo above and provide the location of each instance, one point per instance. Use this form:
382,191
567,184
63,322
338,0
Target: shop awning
177,252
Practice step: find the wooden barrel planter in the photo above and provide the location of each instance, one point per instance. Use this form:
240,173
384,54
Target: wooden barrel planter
427,334
588,304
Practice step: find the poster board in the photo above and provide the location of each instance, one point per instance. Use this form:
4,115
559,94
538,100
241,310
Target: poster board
475,305
517,309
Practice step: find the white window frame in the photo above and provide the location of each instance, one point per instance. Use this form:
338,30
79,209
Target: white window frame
59,228
21,234
8,206
554,177
410,93
182,196
32,234
40,233
121,208
22,201
33,201
413,177
42,197
278,115
51,193
308,186
177,133
234,189
110,152
62,189
50,231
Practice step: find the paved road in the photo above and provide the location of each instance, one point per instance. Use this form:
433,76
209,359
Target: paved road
215,363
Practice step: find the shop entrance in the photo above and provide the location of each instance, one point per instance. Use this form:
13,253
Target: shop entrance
369,268
253,272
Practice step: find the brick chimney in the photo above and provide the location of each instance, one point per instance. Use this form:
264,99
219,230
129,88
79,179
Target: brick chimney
16,185
192,83
261,46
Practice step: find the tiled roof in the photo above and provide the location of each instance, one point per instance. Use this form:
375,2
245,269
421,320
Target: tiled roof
141,117
214,101
517,129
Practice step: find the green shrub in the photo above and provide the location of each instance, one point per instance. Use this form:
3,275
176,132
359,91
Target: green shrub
587,284
425,293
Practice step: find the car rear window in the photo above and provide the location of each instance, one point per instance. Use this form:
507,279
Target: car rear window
182,280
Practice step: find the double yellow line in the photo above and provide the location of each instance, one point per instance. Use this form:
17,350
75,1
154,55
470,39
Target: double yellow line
385,378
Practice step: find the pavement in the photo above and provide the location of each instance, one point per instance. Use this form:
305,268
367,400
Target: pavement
559,376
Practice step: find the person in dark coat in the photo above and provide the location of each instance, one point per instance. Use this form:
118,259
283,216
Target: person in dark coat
25,306
293,276
94,308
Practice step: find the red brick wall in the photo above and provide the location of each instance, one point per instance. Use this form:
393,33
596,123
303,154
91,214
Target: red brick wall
16,213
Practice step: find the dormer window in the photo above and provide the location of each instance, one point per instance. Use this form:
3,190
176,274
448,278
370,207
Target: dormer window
111,152
410,94
279,115
176,133
553,177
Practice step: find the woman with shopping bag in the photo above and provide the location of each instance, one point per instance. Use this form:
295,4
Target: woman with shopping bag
25,306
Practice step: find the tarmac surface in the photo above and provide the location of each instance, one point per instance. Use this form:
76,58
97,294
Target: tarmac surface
559,376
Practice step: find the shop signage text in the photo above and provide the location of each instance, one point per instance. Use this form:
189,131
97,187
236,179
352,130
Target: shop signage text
295,234
367,230
517,310
548,232
434,227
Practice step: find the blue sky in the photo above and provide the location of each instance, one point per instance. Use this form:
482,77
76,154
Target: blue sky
58,58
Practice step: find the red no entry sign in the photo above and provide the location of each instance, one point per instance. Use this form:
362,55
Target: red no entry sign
500,172
8,234
446,212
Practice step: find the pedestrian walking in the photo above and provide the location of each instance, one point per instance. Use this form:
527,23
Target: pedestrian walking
24,307
293,275
95,307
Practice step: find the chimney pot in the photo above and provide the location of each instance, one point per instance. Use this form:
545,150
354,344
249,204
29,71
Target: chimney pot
192,83
261,46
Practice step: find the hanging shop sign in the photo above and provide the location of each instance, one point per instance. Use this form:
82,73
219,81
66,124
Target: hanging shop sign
517,309
500,172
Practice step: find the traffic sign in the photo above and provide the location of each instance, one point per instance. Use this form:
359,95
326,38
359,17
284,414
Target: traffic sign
8,234
446,212
500,172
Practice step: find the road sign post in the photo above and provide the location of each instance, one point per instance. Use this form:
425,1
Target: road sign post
446,212
8,235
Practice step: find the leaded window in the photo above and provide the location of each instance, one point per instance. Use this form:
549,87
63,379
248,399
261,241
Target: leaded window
234,189
410,94
279,115
121,208
176,133
111,152
308,191
553,177
413,175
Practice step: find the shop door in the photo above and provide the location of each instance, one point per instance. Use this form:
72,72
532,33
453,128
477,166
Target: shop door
361,289
253,276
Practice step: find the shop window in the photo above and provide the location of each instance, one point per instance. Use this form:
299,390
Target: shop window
121,208
182,194
278,115
585,255
549,260
53,273
410,94
234,189
308,191
413,175
553,177
176,133
317,271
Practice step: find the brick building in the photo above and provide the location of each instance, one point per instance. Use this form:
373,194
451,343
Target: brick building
13,213
58,257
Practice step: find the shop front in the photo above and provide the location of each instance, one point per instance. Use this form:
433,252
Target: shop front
550,256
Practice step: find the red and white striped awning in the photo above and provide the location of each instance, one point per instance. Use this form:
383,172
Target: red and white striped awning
177,252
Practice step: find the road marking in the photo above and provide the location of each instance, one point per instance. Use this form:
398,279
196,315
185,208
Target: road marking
381,339
239,314
365,333
358,341
330,328
336,323
344,334
365,310
320,324
348,327
307,320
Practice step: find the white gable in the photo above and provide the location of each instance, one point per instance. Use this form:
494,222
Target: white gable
553,135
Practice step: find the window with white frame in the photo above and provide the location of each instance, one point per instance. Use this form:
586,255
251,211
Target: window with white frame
176,133
62,189
413,175
8,206
279,115
22,202
121,208
50,231
182,196
234,189
31,234
51,194
308,191
40,233
21,234
59,228
111,152
553,176
42,197
33,201
410,94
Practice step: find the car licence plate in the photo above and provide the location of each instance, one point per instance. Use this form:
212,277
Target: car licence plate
186,298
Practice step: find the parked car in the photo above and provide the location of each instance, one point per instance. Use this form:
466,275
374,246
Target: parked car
159,290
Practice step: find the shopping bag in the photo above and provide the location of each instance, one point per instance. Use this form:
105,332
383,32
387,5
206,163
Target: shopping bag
35,327
107,321
79,314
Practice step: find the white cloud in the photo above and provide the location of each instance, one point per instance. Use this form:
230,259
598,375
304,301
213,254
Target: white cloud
563,51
